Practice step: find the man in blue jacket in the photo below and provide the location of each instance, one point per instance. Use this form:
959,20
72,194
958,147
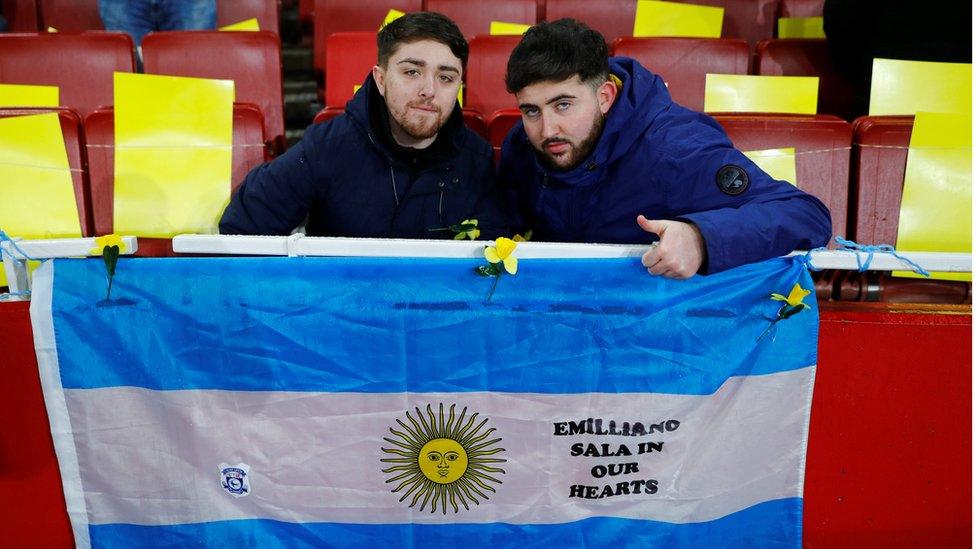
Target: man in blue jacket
602,154
399,163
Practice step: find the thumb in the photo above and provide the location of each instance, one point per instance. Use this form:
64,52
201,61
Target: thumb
655,226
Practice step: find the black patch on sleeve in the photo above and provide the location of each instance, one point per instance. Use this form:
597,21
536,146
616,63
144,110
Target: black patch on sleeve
732,180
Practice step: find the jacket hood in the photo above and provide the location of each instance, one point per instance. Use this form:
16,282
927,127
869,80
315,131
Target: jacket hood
642,97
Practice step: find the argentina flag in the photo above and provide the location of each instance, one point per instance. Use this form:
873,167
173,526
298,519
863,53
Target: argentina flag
307,402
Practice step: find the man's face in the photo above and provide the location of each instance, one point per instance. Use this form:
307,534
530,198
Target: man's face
564,119
420,84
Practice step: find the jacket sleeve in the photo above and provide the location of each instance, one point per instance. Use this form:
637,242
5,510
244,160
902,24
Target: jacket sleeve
276,196
768,218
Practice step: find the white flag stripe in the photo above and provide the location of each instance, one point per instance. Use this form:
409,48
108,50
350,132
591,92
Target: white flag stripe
315,457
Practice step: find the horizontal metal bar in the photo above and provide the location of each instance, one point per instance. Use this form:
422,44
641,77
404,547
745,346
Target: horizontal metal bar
61,247
380,247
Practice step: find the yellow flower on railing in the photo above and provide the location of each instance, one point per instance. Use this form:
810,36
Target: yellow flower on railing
792,305
501,258
467,229
502,251
795,298
109,247
107,241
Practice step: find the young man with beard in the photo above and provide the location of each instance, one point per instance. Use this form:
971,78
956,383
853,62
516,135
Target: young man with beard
602,154
398,163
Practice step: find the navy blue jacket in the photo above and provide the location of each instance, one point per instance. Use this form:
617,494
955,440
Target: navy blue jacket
348,182
662,160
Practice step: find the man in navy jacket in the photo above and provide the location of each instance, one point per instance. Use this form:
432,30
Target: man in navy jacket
399,163
602,154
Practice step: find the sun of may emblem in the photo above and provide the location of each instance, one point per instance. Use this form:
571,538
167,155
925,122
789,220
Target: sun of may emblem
438,460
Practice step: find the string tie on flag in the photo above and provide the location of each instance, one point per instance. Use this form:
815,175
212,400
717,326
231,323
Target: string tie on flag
871,249
13,243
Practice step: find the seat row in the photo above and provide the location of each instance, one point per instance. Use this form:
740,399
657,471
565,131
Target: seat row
81,65
82,15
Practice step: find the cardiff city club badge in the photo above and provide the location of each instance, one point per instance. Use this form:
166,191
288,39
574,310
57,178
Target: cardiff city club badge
235,479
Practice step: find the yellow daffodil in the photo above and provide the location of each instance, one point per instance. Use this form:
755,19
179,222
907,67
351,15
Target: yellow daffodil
502,251
468,229
526,238
795,298
103,242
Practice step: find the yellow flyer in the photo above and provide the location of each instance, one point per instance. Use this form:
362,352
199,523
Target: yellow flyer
778,163
656,18
747,93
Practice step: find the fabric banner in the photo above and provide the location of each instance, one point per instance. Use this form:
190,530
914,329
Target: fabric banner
361,401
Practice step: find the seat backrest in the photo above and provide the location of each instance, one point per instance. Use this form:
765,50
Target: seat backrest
749,20
251,59
331,16
801,8
474,18
809,57
823,152
611,18
21,15
80,64
684,62
74,143
235,11
880,155
248,152
499,125
355,55
485,80
70,15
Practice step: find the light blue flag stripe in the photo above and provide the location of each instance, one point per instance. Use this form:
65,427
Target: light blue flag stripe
769,524
326,324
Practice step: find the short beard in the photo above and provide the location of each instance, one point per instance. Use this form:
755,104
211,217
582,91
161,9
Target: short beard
417,131
577,153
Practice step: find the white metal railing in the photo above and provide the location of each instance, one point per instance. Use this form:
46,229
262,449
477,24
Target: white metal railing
301,245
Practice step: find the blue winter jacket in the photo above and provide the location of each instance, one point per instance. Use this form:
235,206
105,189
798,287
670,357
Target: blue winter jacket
662,160
349,183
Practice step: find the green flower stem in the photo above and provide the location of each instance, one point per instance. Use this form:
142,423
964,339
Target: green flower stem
493,285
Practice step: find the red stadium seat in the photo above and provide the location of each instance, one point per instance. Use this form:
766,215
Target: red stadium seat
80,64
74,144
21,15
474,18
749,20
333,16
485,81
70,15
355,55
472,119
823,152
802,8
235,11
611,18
248,151
880,153
683,62
499,125
809,57
251,59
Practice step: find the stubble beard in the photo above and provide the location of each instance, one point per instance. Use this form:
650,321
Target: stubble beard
418,128
577,153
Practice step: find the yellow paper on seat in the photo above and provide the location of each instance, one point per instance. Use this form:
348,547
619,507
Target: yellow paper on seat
907,87
245,25
778,163
800,27
35,179
391,16
23,95
936,204
747,93
500,28
656,18
173,139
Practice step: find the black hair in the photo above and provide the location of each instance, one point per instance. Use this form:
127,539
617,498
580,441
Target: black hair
423,25
553,52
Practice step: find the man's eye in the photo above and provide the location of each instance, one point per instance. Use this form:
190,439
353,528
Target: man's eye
530,113
411,72
447,79
562,105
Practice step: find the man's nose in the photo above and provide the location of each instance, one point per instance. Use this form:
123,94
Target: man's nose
427,86
550,127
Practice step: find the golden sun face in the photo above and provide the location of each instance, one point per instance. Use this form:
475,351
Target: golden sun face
443,461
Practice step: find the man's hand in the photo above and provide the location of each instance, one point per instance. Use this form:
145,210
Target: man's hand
679,252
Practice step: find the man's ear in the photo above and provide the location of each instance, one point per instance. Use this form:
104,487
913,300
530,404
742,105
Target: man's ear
379,75
606,94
